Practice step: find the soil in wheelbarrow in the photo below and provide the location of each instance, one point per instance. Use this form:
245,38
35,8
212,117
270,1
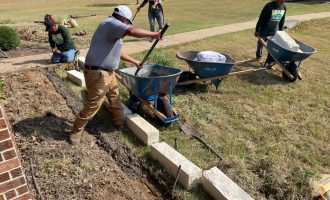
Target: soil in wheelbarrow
147,73
41,109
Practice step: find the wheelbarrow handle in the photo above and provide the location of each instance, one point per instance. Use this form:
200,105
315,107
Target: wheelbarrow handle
152,48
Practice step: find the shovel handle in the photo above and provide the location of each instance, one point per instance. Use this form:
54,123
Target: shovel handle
135,15
208,146
152,48
154,44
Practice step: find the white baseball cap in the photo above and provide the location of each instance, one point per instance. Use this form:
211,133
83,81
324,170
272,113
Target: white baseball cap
124,11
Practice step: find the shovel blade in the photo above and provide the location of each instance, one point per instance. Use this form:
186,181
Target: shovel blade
190,131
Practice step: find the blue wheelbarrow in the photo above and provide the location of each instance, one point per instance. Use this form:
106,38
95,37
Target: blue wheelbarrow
286,58
152,84
216,72
209,71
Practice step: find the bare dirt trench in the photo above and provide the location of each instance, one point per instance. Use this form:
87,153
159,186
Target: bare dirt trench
41,109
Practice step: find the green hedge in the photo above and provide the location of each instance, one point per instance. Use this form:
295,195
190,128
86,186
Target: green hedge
9,38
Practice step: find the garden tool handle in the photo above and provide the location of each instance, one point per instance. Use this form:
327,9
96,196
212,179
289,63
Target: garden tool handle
208,146
135,15
152,48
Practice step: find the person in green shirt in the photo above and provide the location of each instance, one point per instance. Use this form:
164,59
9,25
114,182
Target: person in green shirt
60,41
271,19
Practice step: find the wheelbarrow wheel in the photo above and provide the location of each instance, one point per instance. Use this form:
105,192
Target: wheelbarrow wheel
164,106
294,71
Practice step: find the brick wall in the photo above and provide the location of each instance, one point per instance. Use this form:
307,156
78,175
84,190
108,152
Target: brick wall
13,183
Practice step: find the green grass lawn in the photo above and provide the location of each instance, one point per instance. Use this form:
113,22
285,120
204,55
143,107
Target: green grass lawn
274,135
183,16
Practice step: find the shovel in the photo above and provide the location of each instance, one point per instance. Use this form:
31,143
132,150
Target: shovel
151,49
135,15
193,133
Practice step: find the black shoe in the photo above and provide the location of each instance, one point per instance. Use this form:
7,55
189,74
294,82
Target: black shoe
270,65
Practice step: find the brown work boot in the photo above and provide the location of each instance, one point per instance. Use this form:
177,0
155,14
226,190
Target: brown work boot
75,138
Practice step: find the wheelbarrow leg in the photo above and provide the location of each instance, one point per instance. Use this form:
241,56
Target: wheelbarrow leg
217,83
299,74
269,63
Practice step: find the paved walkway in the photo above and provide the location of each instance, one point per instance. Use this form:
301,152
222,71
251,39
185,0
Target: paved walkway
27,62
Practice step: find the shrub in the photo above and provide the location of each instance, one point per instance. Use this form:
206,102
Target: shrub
158,57
9,38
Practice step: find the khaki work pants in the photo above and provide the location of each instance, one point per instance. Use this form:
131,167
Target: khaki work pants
99,84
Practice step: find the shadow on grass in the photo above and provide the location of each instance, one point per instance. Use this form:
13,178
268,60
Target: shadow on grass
193,89
48,126
258,78
104,5
263,78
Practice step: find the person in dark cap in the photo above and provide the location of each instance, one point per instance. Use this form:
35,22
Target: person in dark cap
102,59
60,41
49,17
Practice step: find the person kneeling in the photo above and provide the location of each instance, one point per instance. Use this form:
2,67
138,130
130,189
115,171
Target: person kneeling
60,41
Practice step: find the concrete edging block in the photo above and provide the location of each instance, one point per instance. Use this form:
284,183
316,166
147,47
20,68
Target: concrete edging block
76,77
221,187
81,61
142,129
190,174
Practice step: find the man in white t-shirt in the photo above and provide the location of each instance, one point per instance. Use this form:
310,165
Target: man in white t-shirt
102,59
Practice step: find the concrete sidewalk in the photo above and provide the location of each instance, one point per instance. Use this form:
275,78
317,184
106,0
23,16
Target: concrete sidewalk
28,62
